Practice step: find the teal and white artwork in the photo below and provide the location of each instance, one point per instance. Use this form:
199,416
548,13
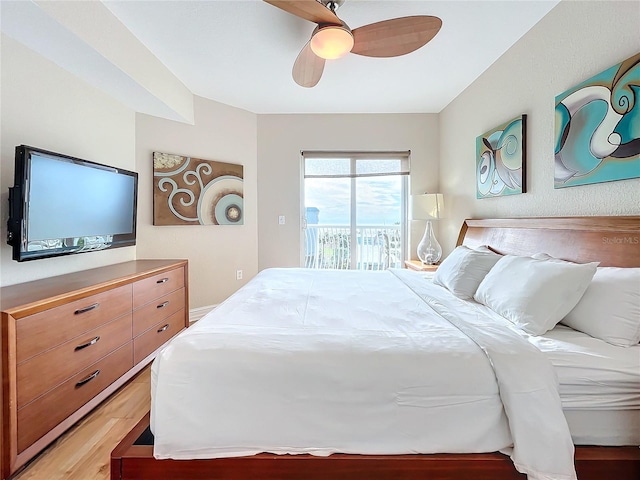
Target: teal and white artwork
597,128
501,160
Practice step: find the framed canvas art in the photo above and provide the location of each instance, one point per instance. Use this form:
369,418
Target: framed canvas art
193,191
597,128
501,160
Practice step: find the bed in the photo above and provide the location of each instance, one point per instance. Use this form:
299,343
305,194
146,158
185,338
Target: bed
372,398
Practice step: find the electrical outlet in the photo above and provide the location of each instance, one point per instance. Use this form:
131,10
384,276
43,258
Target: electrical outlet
281,220
238,274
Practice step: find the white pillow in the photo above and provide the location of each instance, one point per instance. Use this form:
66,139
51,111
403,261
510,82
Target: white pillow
463,270
534,294
610,308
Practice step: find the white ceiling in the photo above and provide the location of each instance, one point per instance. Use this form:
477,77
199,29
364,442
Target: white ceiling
241,52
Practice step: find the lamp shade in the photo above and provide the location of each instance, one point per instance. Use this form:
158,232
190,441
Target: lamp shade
332,42
427,206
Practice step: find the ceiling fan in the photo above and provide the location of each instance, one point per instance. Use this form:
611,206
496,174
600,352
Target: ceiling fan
332,38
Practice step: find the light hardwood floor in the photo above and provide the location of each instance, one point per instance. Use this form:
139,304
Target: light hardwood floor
83,452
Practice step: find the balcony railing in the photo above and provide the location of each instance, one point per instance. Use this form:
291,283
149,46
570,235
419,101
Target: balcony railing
377,247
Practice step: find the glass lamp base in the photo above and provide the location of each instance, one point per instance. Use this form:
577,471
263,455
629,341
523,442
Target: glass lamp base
429,250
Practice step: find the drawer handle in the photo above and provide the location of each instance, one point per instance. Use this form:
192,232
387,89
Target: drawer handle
88,379
163,280
86,309
163,328
93,341
163,304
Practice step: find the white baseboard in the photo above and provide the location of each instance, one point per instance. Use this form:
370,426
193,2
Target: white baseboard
196,314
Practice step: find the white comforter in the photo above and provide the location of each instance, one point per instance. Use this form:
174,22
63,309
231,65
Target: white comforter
309,361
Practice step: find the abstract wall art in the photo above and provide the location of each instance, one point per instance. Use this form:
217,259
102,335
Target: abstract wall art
192,191
597,128
501,160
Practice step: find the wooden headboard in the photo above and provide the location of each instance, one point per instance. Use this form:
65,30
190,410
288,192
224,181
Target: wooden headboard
612,241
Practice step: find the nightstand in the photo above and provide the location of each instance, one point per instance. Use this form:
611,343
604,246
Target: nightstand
419,266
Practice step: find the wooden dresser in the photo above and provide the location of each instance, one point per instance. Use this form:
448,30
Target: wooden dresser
70,341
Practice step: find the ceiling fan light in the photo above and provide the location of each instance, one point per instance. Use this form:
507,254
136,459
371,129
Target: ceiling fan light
332,42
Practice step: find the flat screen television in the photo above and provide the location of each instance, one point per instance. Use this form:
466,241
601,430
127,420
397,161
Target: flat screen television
61,205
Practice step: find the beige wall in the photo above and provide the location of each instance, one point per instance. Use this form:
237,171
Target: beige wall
221,133
281,138
573,42
44,106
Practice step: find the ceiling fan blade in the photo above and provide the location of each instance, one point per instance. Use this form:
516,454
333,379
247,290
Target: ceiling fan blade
395,37
308,9
308,68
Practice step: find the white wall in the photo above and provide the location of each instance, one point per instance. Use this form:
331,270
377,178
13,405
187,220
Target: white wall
281,138
221,133
575,41
44,106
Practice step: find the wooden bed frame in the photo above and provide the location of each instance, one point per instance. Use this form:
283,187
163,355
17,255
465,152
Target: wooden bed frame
613,241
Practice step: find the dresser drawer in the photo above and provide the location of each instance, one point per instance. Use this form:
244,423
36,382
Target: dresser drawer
146,343
41,331
43,372
41,415
150,288
153,312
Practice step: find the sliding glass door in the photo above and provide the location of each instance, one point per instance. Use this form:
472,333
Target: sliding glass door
354,210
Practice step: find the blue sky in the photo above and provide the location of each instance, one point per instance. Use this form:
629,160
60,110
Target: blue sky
378,199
